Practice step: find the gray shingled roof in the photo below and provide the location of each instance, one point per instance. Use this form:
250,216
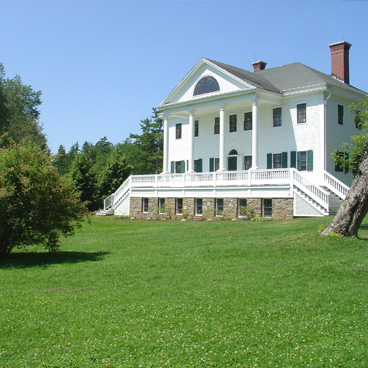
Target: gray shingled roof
285,77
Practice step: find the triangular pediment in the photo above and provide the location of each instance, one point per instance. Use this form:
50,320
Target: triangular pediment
204,70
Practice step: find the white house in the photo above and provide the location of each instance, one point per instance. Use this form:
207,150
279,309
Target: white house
262,139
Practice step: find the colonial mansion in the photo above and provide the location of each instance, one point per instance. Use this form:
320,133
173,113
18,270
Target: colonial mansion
236,140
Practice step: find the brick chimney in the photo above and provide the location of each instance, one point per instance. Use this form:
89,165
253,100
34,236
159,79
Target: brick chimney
259,65
340,60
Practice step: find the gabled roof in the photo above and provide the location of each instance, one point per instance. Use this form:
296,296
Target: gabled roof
283,78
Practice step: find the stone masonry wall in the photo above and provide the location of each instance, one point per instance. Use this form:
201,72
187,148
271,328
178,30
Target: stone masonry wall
282,208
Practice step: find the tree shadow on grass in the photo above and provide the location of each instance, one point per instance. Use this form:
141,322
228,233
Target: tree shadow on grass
45,259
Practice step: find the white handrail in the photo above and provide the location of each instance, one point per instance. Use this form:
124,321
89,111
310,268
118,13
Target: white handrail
317,193
335,185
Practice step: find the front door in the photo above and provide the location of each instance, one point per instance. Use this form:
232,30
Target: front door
232,163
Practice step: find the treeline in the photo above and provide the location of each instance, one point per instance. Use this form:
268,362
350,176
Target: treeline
96,169
99,169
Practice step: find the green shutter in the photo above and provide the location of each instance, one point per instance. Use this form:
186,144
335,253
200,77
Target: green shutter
199,165
284,163
212,167
183,166
269,160
309,160
172,167
293,159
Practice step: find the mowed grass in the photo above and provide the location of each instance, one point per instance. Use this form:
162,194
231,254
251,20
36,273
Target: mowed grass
182,294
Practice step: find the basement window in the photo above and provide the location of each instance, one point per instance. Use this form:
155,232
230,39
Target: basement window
145,205
266,207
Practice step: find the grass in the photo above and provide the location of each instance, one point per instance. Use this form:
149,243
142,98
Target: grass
182,294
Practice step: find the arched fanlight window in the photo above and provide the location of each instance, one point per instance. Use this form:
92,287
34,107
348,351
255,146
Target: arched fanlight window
233,152
206,85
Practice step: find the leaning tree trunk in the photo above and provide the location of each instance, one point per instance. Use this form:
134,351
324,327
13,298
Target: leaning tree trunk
355,206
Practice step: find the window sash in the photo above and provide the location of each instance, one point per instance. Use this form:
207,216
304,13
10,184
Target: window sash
196,128
267,207
302,113
216,127
219,206
277,117
178,131
198,207
340,114
232,123
161,206
248,121
247,162
179,206
242,204
145,205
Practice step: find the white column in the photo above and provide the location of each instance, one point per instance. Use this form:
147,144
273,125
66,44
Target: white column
255,135
166,146
191,142
222,140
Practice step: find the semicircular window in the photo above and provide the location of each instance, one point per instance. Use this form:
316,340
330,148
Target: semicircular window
233,152
206,85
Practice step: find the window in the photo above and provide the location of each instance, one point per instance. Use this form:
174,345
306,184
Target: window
207,84
266,207
277,160
301,113
232,123
198,205
242,204
277,117
247,162
340,164
178,131
340,114
179,206
177,167
198,165
219,206
217,126
214,164
196,128
145,205
304,160
161,206
248,121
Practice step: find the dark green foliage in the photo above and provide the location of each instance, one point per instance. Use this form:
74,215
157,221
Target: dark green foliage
19,111
149,158
85,180
114,173
37,205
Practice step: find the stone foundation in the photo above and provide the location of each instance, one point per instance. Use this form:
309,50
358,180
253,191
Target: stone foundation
282,208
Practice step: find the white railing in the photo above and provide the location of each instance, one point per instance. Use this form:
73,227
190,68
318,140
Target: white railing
315,192
335,185
287,177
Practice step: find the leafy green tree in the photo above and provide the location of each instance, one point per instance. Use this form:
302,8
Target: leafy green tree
19,111
355,158
115,172
149,156
60,161
37,205
85,180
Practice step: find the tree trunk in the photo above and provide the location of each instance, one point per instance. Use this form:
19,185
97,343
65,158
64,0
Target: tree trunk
354,208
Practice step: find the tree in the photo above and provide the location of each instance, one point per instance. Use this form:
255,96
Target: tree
37,205
19,111
115,172
355,158
85,180
149,158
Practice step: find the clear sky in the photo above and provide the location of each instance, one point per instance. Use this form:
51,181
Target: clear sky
103,65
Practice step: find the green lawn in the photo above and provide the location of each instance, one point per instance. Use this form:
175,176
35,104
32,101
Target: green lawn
180,294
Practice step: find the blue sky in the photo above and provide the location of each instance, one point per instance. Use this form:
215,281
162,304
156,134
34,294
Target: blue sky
103,65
